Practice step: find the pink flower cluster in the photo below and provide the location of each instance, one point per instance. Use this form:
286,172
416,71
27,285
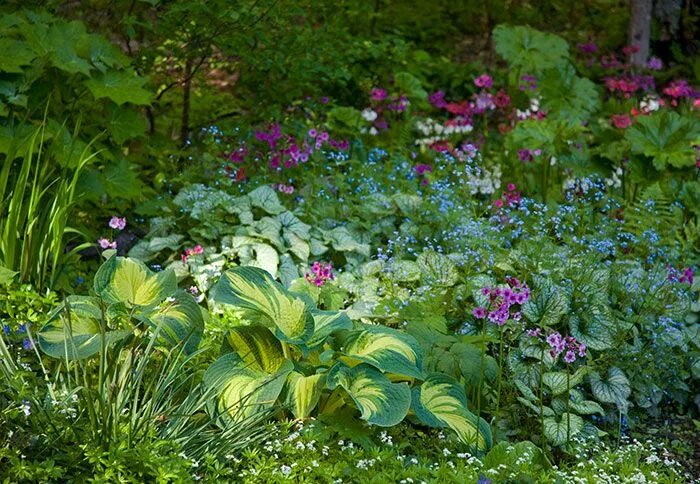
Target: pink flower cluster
627,85
568,345
196,250
106,243
678,90
502,300
621,121
288,189
509,198
117,223
320,273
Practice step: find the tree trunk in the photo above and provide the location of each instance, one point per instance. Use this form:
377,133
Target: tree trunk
640,30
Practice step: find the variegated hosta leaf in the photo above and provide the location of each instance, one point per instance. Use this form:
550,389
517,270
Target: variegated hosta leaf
441,402
302,393
386,349
325,323
256,346
78,336
557,429
178,319
254,289
243,390
129,281
380,401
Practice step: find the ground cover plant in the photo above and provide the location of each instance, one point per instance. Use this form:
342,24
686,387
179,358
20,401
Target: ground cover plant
294,241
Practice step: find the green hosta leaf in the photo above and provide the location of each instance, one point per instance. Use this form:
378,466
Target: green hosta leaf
128,281
302,393
325,323
243,391
79,336
438,269
386,349
547,306
666,137
119,86
179,319
254,289
557,430
441,402
614,388
380,401
256,346
266,198
556,380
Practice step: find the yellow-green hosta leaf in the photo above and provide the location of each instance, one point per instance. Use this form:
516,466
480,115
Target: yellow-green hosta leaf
129,281
302,393
178,319
441,402
380,401
243,391
325,323
386,349
256,346
254,289
76,335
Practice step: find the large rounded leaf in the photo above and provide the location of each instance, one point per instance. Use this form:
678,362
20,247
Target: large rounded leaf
557,430
178,319
302,393
129,281
73,330
243,391
386,349
380,401
254,289
256,346
614,388
441,402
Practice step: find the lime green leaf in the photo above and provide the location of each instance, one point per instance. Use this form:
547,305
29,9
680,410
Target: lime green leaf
21,55
256,346
386,349
557,430
380,401
78,336
530,50
7,275
119,86
254,289
129,281
178,319
302,393
243,391
441,402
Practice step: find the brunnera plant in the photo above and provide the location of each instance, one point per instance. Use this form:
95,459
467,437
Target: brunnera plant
311,361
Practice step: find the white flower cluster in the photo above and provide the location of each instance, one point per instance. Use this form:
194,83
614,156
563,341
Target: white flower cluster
484,181
534,108
649,104
433,131
614,181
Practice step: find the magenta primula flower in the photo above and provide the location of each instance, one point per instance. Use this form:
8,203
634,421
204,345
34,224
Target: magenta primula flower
106,243
320,273
378,94
484,80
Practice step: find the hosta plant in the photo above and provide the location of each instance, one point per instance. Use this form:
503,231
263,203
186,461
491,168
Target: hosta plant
128,301
314,362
